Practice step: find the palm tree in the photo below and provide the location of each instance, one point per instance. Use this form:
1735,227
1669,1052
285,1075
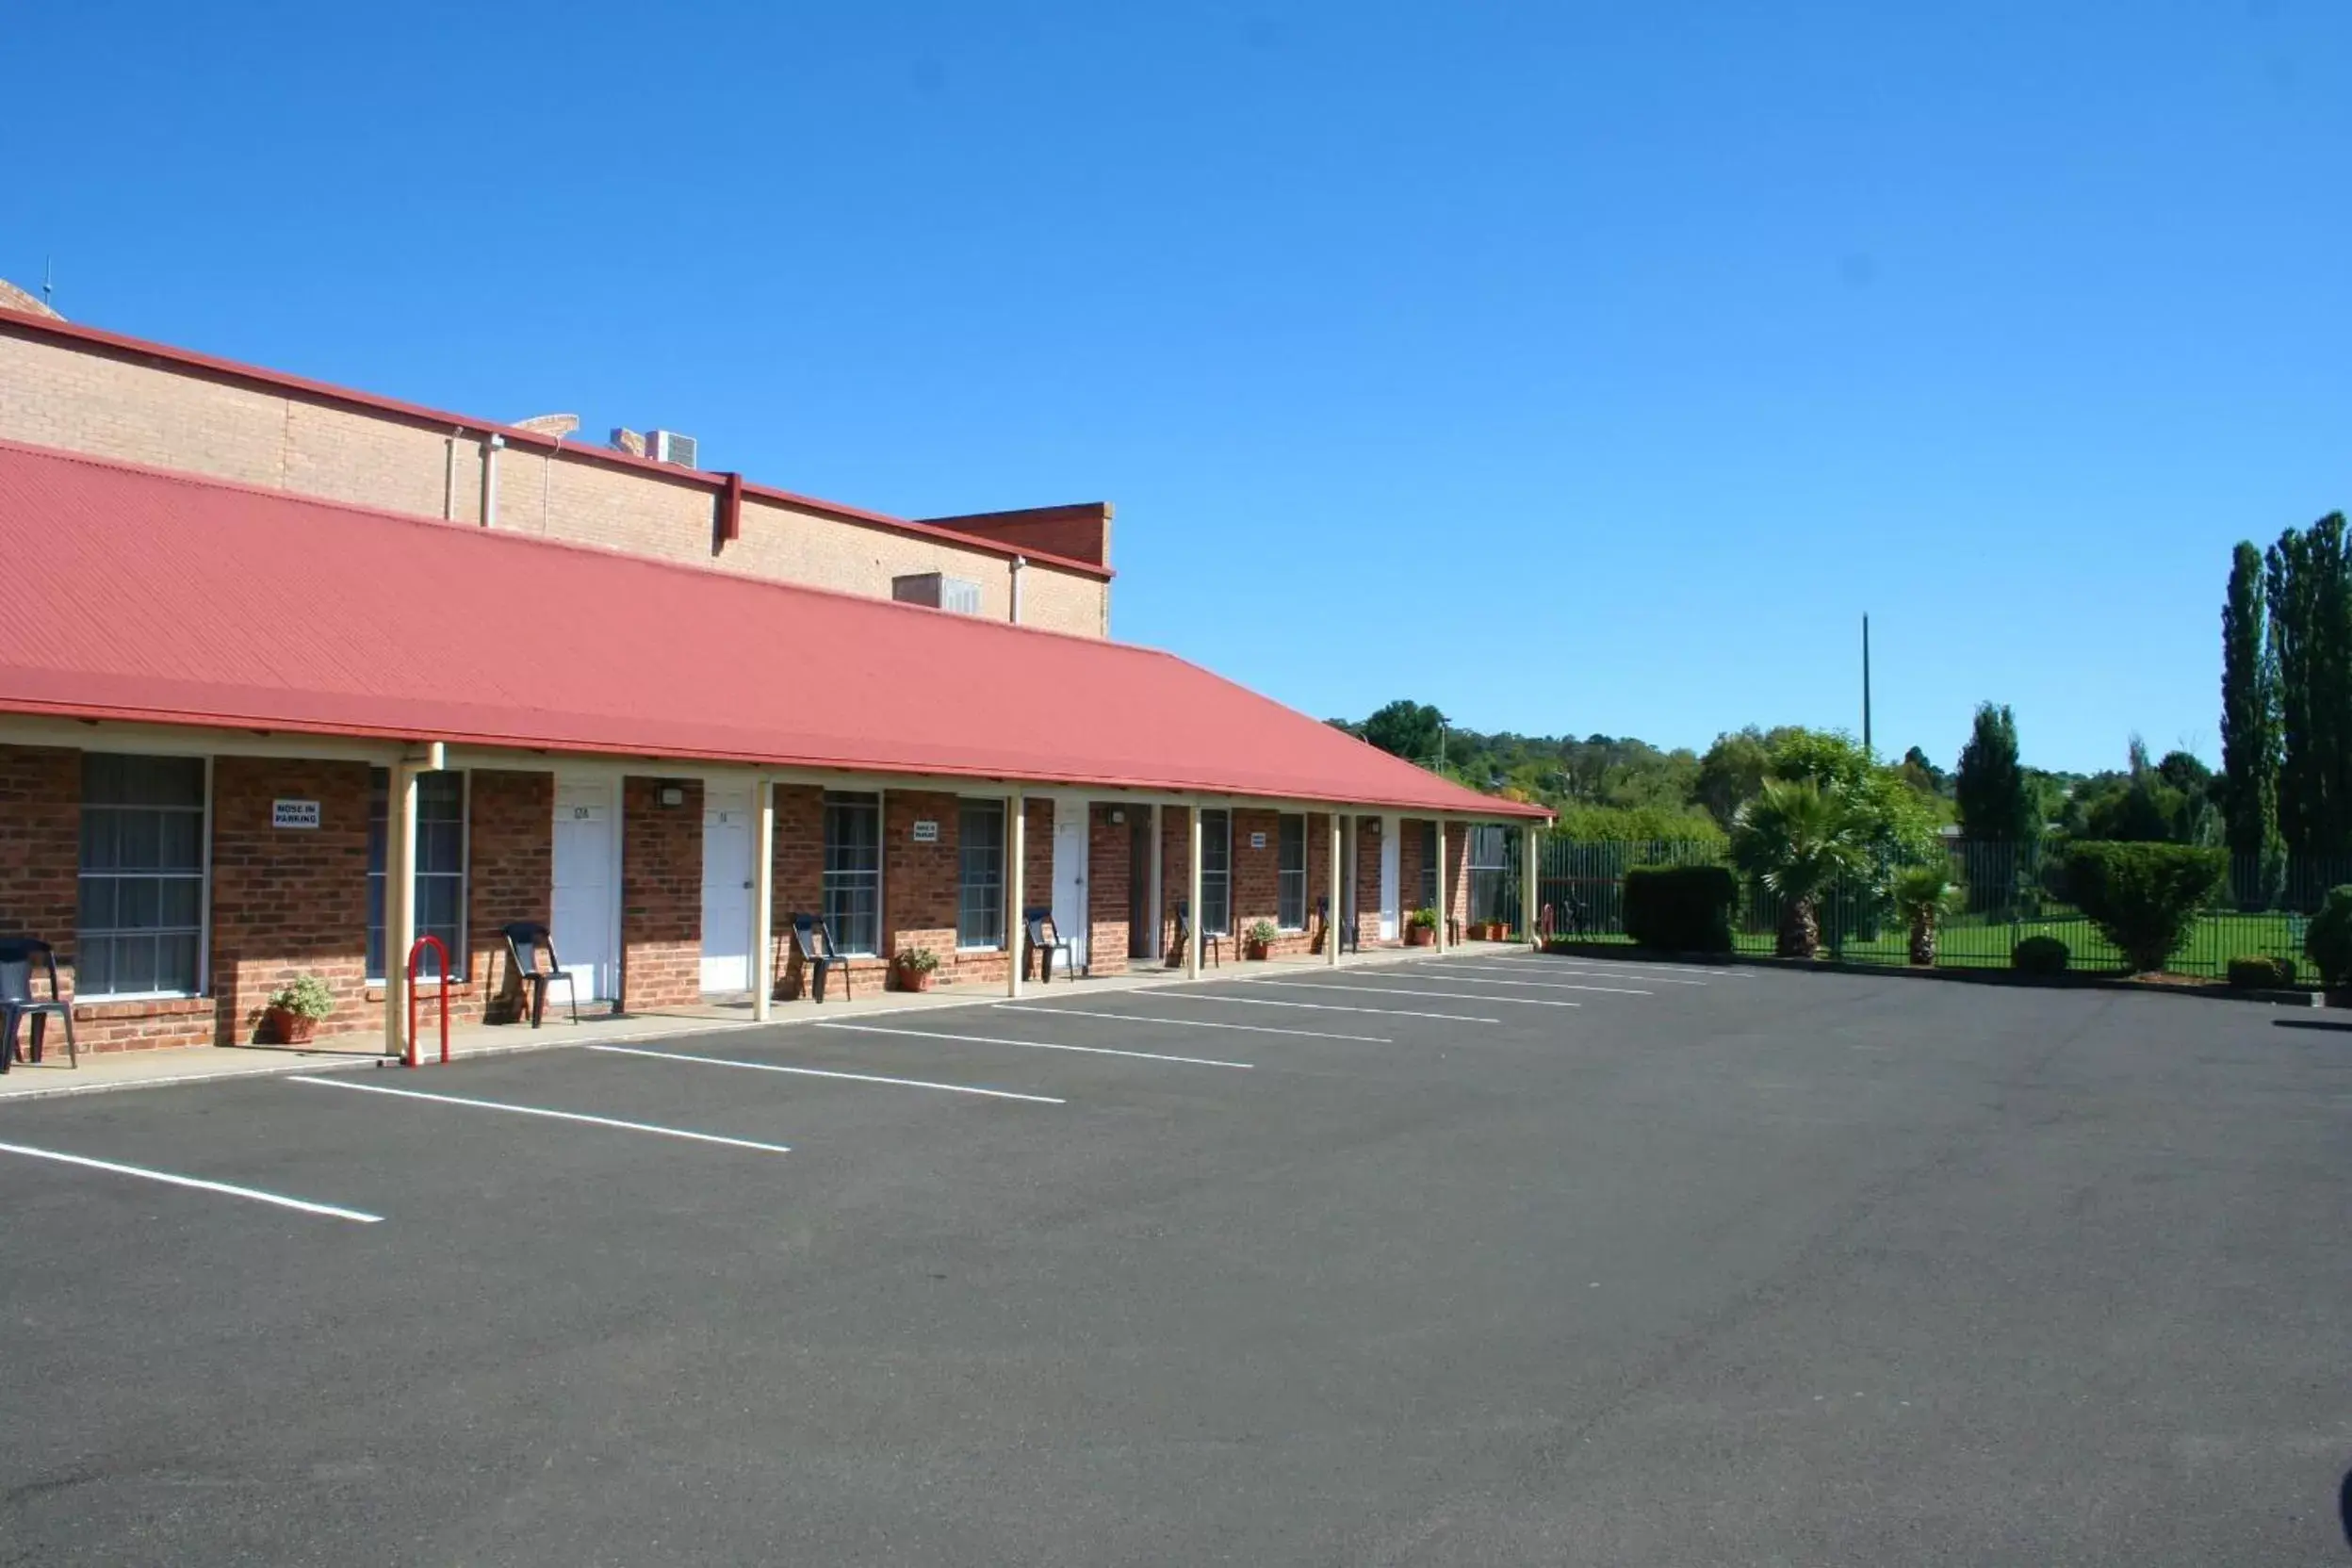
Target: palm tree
1923,893
1798,841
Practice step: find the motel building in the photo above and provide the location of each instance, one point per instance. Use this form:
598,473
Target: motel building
292,676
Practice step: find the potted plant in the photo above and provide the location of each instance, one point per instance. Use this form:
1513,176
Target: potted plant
915,967
291,1013
1421,928
1258,938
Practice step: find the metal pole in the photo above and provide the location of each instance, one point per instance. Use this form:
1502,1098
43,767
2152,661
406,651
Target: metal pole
1866,687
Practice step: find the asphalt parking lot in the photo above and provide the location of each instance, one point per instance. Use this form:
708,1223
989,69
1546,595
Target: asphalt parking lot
1494,1260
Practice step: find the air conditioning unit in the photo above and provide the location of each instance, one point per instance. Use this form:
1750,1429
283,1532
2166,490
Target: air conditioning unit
667,446
939,591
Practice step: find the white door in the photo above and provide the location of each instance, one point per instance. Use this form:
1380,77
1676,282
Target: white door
727,872
1390,914
1069,875
586,923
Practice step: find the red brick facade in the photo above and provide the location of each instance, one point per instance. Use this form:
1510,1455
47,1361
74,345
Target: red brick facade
512,878
661,894
290,902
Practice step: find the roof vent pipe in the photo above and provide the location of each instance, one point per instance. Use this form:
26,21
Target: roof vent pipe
1021,563
490,479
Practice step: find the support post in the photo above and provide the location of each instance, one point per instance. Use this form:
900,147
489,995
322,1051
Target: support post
763,902
1437,939
1016,888
1159,896
1336,921
1529,899
400,904
1192,900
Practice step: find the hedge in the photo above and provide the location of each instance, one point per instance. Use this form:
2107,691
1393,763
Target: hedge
2327,941
2262,974
2143,897
2040,956
1680,908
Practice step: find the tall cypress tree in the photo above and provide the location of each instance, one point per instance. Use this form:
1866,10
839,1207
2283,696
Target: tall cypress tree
2308,583
2249,718
1990,789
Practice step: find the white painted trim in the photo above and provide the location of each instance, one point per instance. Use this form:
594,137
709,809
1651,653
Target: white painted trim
255,1194
825,1072
1033,1045
1322,1007
1187,1022
554,1116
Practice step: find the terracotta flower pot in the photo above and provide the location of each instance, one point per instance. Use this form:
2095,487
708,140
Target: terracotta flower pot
286,1027
915,979
1420,936
1254,949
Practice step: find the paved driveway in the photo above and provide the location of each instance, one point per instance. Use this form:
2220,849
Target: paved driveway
1459,1262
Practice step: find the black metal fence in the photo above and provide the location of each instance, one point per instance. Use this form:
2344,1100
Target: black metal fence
2007,893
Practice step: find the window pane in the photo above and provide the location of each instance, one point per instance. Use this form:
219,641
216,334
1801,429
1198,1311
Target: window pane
182,901
175,962
135,904
101,842
980,890
93,966
97,903
853,862
142,839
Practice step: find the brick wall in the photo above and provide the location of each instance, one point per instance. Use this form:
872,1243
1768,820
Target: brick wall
661,894
67,393
1175,875
798,866
289,901
510,839
1110,882
41,847
921,884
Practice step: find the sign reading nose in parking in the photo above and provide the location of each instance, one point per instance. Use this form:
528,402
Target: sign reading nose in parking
294,814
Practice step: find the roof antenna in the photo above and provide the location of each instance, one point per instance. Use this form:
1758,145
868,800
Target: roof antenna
48,279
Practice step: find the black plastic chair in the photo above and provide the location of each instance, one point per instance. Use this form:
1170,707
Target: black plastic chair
1350,935
525,941
1212,945
812,937
18,1003
1046,939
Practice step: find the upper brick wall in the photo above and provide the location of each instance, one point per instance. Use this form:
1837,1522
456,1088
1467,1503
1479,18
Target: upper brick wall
69,392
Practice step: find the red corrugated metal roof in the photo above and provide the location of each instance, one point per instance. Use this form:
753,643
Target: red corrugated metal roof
132,594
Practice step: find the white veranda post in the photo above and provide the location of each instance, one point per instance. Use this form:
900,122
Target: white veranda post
1438,939
763,904
1016,888
1335,922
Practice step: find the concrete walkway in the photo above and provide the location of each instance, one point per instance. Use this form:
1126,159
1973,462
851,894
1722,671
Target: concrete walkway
137,1069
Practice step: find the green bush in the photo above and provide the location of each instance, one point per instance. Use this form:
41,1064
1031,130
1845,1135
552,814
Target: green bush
2328,942
2040,956
2143,897
1680,908
304,997
2261,973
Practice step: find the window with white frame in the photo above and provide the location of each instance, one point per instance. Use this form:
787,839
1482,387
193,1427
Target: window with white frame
853,871
141,930
1428,866
440,866
1217,872
980,874
1290,874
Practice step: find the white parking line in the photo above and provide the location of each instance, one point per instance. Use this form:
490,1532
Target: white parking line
534,1110
1562,969
1545,985
1392,990
259,1197
1033,1045
1326,1006
821,1072
1195,1023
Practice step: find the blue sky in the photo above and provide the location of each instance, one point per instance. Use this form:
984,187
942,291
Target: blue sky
1582,366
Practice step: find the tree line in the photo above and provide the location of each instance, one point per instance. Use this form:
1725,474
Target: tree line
2286,696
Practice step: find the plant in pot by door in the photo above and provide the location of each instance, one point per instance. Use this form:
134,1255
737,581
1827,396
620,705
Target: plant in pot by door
1421,930
1258,940
916,966
292,1012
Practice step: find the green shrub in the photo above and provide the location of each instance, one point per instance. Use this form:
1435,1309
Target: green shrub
1680,908
304,997
2143,897
2040,956
2259,972
1424,917
2328,942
